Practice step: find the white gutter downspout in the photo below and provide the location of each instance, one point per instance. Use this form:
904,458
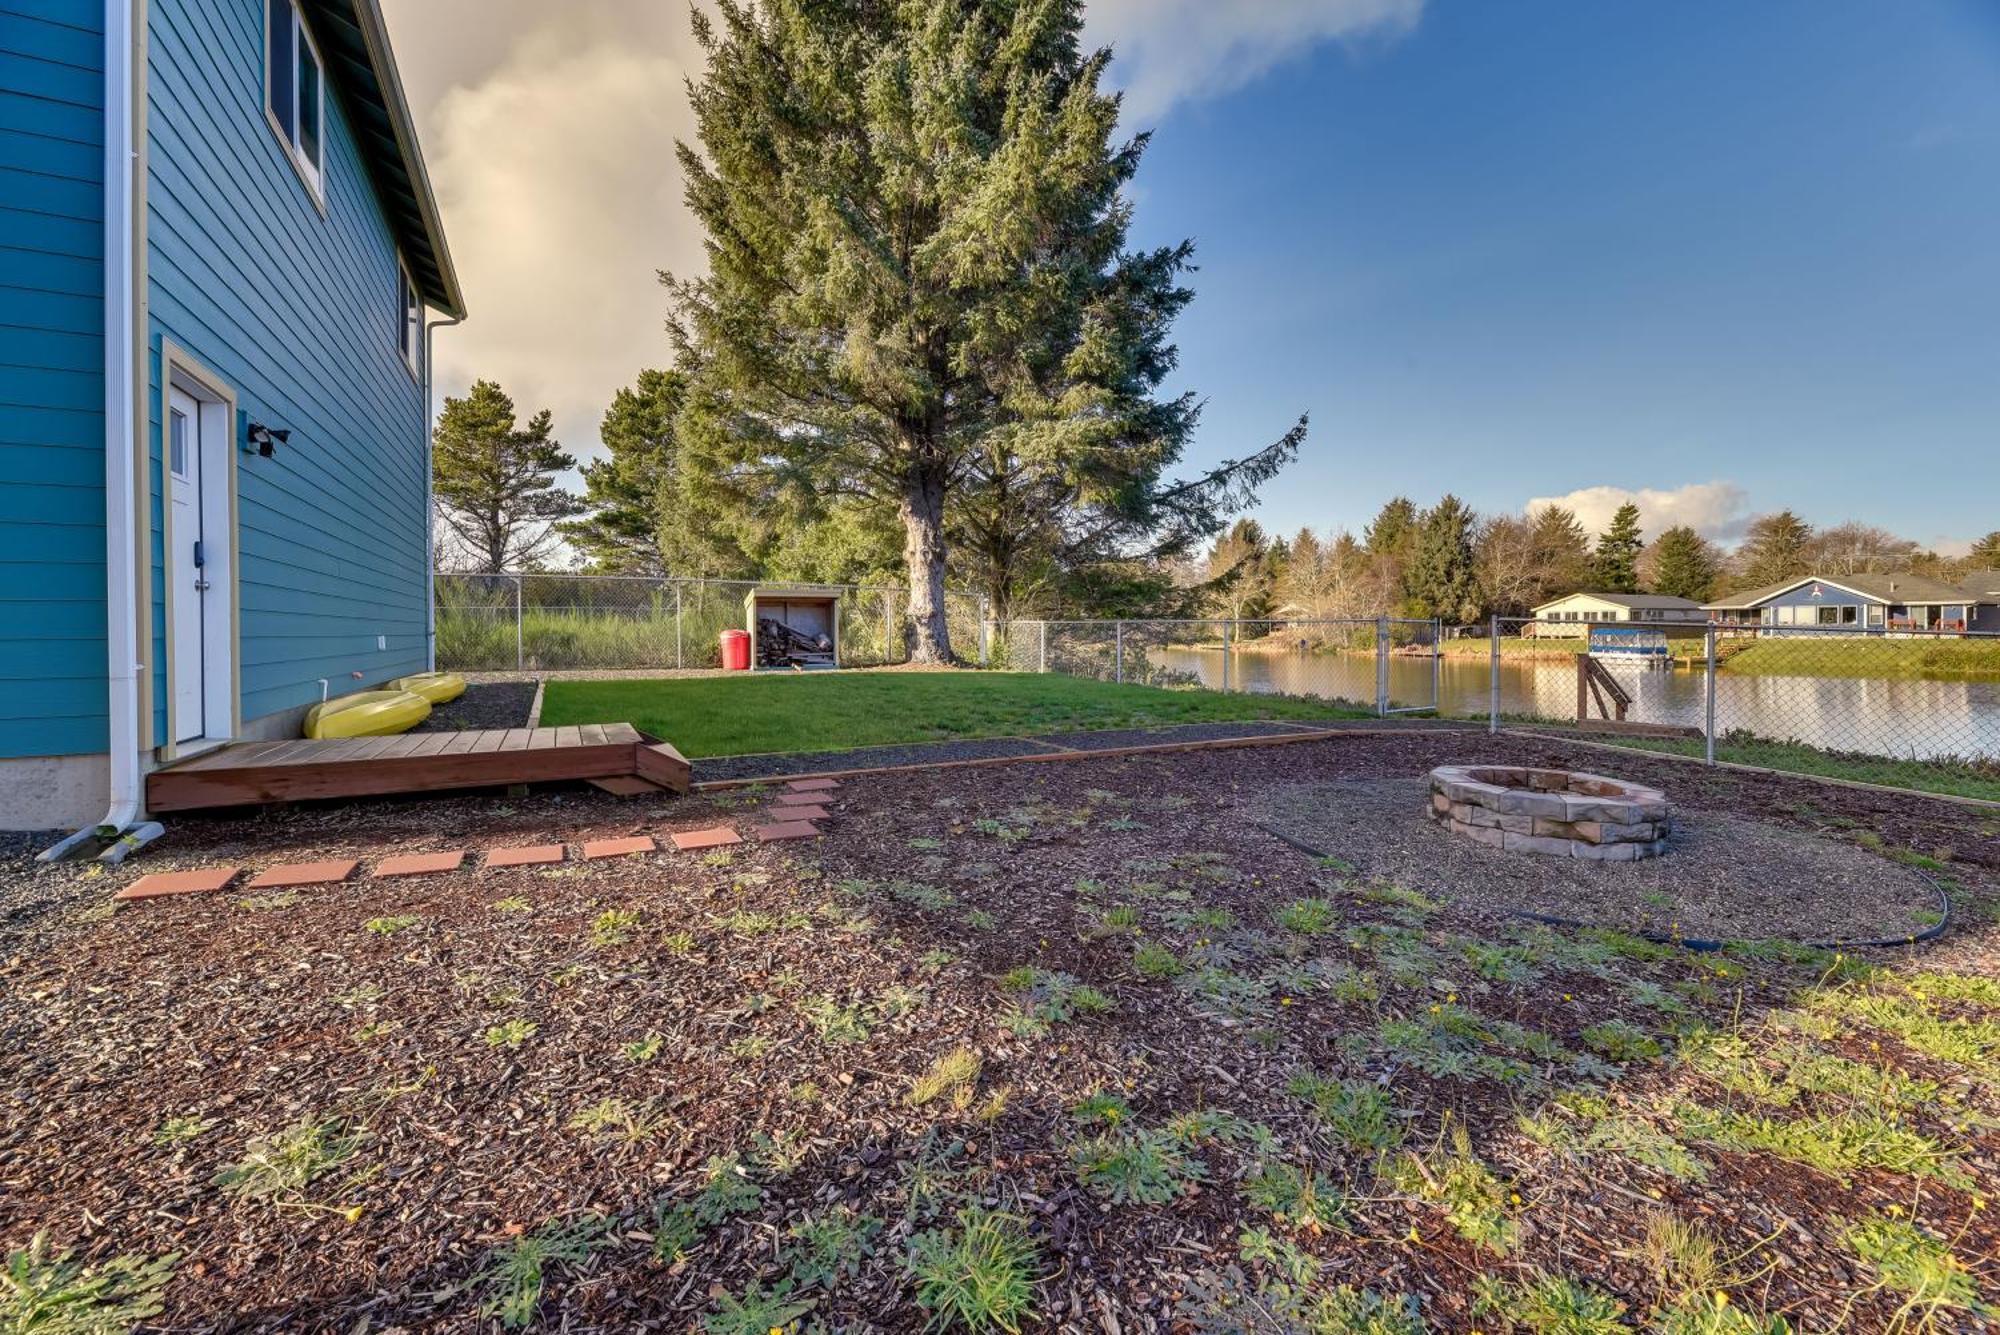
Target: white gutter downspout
121,821
430,502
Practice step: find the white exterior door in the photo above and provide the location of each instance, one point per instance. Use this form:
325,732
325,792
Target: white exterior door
187,564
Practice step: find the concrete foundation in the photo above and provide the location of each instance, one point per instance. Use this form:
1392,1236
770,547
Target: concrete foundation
57,793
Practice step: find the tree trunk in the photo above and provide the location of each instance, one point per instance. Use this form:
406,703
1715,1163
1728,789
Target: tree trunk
925,633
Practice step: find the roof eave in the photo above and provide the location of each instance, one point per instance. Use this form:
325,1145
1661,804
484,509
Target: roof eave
375,33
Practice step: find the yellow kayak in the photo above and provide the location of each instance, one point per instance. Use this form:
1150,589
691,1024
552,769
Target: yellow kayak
437,687
367,714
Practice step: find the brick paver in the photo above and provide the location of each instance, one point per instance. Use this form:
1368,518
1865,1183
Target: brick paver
527,855
790,829
810,798
617,848
163,883
690,841
290,874
813,785
419,864
800,813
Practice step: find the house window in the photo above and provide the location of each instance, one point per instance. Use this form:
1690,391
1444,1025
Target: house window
410,319
294,93
1845,614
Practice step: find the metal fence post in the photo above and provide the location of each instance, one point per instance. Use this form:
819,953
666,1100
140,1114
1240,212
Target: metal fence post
1118,659
1045,646
1493,678
985,632
1225,655
889,629
1382,667
680,654
1709,690
1437,665
519,657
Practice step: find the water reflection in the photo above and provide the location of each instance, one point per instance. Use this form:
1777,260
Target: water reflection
1902,718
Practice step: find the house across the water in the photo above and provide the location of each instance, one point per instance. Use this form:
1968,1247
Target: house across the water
1573,614
1878,604
219,254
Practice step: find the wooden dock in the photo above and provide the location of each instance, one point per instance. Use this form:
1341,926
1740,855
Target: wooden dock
250,773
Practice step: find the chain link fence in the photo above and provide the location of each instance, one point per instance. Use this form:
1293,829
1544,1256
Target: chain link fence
1387,665
1904,708
535,622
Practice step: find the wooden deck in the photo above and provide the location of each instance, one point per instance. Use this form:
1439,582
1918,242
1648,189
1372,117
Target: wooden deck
247,773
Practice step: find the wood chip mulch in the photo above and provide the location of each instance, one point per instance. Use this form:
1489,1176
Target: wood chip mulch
501,1052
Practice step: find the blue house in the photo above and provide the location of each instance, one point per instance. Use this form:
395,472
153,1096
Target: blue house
219,263
1872,604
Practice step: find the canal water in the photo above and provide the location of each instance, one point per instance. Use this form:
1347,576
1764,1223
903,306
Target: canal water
1902,718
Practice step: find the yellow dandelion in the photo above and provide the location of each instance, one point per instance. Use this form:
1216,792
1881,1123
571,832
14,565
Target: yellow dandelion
1721,1298
1415,1236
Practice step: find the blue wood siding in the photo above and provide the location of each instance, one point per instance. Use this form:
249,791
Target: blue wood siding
52,674
297,313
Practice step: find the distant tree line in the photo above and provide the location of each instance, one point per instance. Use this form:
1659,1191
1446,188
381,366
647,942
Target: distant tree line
1447,562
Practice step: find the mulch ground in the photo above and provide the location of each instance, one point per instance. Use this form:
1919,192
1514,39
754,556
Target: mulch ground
575,1052
499,704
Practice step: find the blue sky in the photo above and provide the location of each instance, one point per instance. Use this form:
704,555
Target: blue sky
1727,256
1525,249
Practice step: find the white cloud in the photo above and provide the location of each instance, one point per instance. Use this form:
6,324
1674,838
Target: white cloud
1716,510
549,135
1169,51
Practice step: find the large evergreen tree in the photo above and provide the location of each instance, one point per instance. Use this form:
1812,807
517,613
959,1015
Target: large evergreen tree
1443,577
916,241
1616,567
1684,564
632,491
1985,554
1775,548
1562,550
495,480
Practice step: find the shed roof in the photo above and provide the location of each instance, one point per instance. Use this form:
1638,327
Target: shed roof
362,68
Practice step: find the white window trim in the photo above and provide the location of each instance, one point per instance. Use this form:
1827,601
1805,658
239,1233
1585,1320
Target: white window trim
311,175
409,335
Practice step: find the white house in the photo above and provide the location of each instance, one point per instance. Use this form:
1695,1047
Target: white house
1574,614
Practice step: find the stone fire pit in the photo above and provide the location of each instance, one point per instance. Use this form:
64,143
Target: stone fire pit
1555,812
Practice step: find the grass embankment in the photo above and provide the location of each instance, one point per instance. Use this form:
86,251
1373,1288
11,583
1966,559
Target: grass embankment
1855,656
743,715
1951,778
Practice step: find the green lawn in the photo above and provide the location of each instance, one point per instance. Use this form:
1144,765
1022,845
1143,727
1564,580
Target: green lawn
741,715
1926,658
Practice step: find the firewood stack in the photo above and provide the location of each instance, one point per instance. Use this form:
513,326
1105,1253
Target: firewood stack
778,645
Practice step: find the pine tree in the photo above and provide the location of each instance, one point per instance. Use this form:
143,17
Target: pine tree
1243,568
1616,567
1562,551
1443,573
1775,548
1685,564
918,279
632,490
495,481
1388,540
1985,554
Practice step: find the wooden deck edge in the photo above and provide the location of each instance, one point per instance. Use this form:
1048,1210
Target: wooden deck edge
211,789
1106,753
660,763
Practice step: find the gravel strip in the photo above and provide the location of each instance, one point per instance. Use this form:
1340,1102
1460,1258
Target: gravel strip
1723,876
487,705
724,768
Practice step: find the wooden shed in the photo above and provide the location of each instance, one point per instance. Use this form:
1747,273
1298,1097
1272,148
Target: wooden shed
796,626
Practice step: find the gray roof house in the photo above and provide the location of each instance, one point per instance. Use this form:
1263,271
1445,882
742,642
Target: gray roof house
1882,603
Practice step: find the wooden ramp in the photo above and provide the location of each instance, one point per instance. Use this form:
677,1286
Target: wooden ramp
247,773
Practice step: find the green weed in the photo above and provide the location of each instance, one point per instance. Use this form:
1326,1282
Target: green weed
980,1276
44,1293
513,1275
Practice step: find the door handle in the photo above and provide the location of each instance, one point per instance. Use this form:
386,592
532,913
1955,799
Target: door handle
201,585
